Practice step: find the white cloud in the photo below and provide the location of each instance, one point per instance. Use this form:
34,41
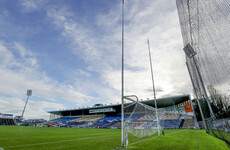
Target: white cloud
163,30
30,6
154,20
18,74
5,56
79,36
34,109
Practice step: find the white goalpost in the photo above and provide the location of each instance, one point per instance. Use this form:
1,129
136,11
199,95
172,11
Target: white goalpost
141,120
154,91
132,124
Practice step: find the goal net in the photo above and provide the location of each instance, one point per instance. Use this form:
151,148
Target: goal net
141,120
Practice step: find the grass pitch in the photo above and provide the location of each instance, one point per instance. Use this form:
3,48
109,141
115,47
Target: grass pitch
39,138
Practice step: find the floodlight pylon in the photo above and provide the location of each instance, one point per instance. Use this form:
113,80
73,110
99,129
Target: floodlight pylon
29,93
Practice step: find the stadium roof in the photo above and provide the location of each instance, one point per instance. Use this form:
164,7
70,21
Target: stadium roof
168,101
161,102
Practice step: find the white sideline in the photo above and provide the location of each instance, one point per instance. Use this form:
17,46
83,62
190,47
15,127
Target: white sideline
57,141
154,138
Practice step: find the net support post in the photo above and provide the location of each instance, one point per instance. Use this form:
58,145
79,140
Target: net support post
204,89
195,119
191,53
197,98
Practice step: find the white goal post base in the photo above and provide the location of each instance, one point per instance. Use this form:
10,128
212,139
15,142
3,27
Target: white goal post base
140,120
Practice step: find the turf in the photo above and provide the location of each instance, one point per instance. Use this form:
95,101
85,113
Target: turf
39,138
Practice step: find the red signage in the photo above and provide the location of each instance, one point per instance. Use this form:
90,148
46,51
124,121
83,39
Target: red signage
188,107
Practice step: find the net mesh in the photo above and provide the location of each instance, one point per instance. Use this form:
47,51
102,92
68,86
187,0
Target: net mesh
141,119
206,26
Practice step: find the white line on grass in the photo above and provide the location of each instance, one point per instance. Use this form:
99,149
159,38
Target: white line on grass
153,138
25,145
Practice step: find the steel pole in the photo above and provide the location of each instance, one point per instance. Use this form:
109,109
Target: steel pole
203,87
154,91
197,98
25,106
195,119
122,81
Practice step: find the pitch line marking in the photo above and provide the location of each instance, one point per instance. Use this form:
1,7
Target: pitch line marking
86,138
153,138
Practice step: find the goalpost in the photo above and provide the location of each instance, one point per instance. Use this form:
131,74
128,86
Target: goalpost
141,120
151,124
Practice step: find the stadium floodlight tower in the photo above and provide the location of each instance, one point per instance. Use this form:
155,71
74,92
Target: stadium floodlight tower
190,53
29,93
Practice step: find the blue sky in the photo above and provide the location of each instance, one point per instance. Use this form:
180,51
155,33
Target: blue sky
69,53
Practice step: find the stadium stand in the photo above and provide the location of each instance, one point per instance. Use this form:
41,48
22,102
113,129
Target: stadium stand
87,119
64,119
109,116
170,124
61,122
33,122
146,117
116,125
188,123
115,122
106,122
168,116
7,119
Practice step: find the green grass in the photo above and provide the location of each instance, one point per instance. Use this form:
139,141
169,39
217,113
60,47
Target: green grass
39,138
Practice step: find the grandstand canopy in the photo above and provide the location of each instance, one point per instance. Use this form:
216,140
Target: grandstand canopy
114,109
168,101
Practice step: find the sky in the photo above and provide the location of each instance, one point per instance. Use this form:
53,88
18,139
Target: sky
69,53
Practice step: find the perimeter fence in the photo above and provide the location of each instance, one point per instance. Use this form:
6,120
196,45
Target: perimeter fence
205,27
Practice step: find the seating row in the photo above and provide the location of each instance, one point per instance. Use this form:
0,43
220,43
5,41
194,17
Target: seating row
104,122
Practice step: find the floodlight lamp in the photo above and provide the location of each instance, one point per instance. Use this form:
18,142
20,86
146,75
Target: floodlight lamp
189,51
29,92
